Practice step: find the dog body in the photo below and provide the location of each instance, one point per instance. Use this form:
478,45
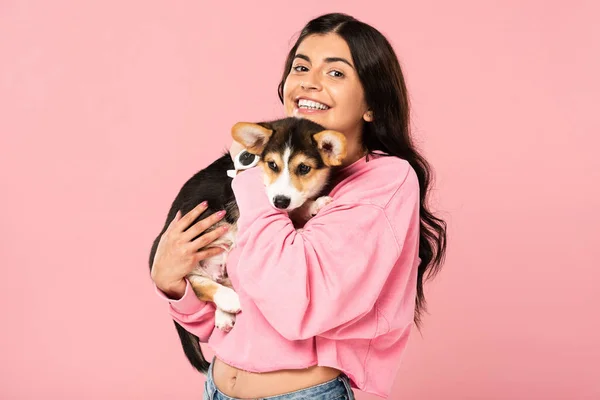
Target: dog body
296,157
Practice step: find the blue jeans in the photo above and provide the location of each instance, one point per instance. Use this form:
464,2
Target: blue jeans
335,389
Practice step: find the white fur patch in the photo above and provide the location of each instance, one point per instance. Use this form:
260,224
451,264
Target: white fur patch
283,185
227,300
224,320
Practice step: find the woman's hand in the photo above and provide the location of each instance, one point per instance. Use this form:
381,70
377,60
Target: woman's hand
177,255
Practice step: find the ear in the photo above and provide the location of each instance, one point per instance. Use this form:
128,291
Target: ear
332,146
253,136
368,116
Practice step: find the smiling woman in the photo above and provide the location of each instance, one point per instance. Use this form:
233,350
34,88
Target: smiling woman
329,307
323,86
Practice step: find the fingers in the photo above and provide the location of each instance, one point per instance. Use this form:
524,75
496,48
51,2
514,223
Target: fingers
183,223
202,225
210,237
208,253
174,220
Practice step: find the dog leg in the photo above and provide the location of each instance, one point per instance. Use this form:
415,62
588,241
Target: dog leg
318,204
224,320
312,207
208,290
227,300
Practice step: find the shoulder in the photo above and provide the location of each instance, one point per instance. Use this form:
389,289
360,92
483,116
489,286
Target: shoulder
379,181
393,169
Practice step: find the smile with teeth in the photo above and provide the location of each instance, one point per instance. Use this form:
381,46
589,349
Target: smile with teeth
311,105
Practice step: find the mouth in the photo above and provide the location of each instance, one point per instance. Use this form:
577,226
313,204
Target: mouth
309,106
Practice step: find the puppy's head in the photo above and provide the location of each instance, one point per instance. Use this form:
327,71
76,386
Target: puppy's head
296,156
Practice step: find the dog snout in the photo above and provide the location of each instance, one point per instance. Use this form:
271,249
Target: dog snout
281,202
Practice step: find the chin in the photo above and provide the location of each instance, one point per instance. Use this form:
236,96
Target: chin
315,118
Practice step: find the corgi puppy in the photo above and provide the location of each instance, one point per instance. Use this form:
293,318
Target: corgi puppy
296,157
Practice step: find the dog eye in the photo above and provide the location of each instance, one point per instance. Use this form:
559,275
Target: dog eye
303,169
272,165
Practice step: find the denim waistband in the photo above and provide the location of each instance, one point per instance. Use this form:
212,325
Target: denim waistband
335,389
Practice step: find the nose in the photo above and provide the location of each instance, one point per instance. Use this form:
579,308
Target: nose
281,202
310,82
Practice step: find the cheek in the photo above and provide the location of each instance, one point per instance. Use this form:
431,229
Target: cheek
288,103
350,104
353,98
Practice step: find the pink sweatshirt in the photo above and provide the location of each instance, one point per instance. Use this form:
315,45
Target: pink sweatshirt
339,293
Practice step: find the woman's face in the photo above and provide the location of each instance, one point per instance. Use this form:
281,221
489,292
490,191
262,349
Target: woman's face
323,86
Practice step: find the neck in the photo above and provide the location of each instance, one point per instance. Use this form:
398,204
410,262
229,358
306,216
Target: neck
354,153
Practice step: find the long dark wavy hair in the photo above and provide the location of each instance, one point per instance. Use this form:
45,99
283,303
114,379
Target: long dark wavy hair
382,80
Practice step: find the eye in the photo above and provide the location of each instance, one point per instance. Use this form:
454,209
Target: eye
303,169
300,68
273,166
336,74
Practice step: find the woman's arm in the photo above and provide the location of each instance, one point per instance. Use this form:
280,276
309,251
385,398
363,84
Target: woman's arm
309,282
194,315
176,254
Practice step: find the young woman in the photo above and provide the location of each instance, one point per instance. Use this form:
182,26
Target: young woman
328,308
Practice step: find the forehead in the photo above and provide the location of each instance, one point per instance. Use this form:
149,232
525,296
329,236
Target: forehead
319,47
295,134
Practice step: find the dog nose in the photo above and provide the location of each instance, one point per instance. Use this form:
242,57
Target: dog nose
281,202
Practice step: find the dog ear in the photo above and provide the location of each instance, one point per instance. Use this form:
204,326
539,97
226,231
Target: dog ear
253,136
332,146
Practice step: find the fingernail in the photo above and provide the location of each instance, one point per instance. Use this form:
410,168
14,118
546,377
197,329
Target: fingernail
203,204
225,228
221,213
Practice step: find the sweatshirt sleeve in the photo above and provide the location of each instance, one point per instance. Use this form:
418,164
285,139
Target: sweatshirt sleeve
194,315
331,272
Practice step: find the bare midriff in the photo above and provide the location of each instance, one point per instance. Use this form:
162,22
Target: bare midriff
241,384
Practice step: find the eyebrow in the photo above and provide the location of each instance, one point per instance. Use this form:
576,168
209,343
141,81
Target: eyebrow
327,60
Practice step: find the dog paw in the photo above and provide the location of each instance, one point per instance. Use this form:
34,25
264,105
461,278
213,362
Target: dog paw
224,320
318,204
227,300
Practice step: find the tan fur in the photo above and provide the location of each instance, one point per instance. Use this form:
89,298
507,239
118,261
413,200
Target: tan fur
205,288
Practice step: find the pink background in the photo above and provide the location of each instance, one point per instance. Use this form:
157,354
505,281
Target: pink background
107,108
